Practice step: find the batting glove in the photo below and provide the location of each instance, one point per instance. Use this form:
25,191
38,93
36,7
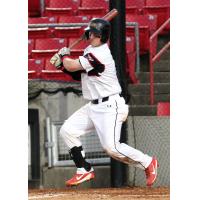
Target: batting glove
64,51
56,61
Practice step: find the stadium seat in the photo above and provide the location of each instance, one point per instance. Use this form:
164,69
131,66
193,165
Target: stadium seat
62,7
130,58
93,7
66,32
35,66
147,26
33,75
34,8
49,66
157,2
34,33
73,19
161,8
30,47
95,4
130,44
51,73
134,7
144,20
64,3
42,20
163,109
46,3
48,47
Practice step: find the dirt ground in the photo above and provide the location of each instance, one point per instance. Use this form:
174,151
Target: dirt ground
128,193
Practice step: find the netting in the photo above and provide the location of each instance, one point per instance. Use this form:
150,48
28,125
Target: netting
90,143
36,87
152,136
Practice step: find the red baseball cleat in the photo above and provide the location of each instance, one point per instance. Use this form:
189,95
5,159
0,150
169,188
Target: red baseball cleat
151,172
81,176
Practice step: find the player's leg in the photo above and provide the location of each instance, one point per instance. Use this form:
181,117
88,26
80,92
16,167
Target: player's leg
108,126
75,126
128,154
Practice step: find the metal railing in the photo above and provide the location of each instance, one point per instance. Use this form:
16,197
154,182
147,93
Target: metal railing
57,151
154,58
137,43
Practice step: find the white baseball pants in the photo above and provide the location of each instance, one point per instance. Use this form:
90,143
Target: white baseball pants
106,118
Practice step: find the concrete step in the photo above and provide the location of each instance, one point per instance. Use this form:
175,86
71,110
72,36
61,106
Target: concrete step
142,110
144,88
162,40
159,77
162,66
145,99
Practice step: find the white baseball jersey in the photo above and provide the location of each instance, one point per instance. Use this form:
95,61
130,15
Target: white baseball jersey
101,79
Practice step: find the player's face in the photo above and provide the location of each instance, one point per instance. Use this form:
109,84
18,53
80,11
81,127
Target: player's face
91,36
94,40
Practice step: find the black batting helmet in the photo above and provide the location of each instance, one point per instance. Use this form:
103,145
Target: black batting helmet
100,27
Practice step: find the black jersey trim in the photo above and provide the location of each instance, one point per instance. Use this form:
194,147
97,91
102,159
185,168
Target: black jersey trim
98,67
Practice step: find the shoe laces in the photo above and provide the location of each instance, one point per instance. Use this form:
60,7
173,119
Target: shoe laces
83,171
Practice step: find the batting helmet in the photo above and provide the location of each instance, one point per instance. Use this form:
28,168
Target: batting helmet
100,27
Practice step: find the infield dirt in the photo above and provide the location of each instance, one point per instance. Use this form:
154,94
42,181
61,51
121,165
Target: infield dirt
128,193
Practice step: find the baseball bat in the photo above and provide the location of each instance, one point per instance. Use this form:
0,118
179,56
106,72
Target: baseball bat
109,16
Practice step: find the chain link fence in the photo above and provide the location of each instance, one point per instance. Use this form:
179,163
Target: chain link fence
151,134
94,152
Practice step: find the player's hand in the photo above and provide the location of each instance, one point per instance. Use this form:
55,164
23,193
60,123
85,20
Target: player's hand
64,51
56,61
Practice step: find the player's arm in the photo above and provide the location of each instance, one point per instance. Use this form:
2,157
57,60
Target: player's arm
72,65
61,61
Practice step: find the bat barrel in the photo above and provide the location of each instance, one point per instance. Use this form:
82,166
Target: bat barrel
111,14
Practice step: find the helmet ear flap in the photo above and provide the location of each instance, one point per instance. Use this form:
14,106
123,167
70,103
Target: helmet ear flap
103,39
87,34
105,34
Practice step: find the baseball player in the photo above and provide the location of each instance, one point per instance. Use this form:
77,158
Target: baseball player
106,110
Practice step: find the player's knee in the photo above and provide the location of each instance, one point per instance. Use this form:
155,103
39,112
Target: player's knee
64,130
110,149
